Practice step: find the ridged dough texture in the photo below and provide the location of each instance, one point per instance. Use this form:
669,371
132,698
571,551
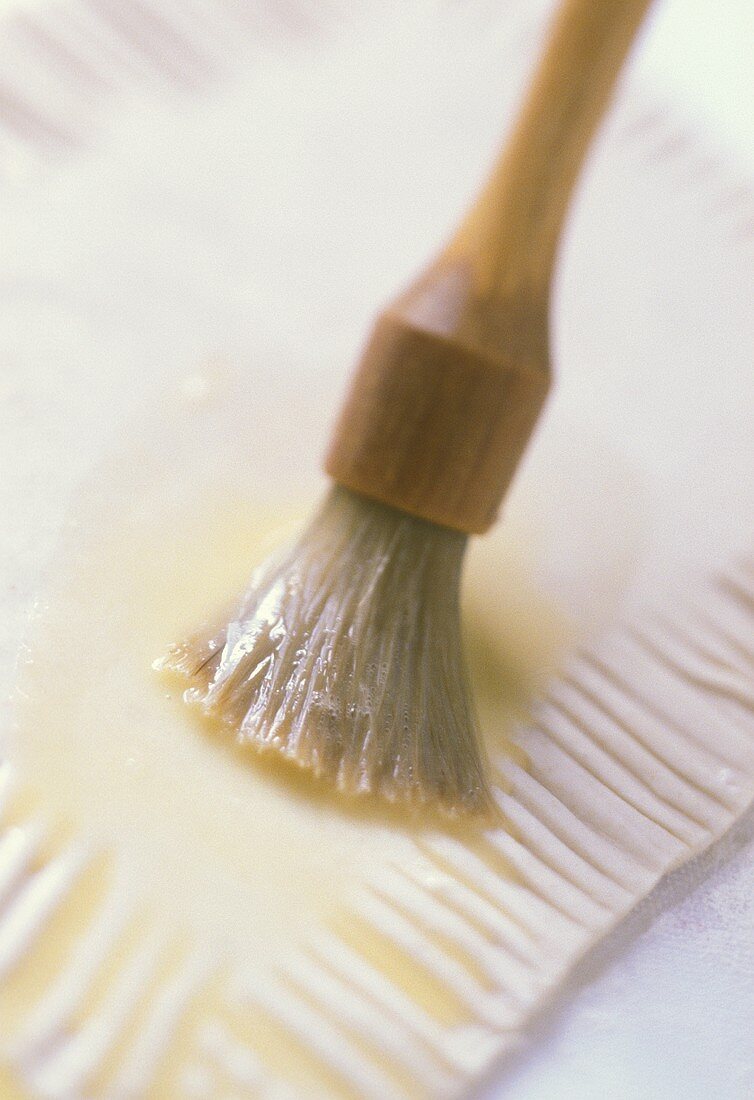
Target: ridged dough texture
438,951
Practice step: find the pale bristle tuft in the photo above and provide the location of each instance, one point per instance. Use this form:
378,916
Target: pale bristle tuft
345,656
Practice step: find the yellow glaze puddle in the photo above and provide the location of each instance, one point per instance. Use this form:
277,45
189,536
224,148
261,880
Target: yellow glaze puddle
241,852
106,739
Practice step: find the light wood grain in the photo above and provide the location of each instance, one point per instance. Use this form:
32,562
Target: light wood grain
457,368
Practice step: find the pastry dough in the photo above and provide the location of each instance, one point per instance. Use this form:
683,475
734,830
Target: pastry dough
184,918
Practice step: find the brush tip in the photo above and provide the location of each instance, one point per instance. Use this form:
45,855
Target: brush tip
345,658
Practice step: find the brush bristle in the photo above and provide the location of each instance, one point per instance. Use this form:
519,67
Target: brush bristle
345,656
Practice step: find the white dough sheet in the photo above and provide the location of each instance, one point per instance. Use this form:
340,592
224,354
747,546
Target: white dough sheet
201,208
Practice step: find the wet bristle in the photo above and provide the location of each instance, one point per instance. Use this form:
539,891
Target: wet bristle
345,656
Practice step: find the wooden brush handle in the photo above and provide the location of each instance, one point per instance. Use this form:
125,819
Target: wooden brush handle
457,368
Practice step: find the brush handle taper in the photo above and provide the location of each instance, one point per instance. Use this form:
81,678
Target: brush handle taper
456,370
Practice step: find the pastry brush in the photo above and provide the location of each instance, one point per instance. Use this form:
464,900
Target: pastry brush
345,654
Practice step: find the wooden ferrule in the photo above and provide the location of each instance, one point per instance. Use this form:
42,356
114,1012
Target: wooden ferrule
435,427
